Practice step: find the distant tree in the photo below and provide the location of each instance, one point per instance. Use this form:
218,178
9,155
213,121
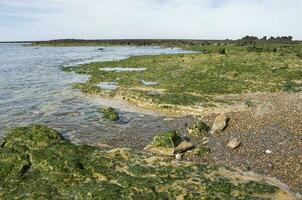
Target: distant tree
282,39
264,39
249,40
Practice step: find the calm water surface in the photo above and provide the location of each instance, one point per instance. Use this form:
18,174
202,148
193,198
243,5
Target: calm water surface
34,90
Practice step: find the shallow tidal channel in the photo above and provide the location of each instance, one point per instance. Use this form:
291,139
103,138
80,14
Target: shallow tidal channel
35,90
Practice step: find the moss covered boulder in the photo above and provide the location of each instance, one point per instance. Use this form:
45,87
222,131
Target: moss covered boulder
199,129
37,163
169,143
110,113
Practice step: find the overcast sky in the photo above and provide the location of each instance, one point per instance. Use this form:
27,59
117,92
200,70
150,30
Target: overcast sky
166,19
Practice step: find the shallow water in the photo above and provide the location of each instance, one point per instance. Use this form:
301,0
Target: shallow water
149,83
122,69
108,85
34,89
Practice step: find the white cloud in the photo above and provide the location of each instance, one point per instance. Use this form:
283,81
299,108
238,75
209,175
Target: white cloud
198,19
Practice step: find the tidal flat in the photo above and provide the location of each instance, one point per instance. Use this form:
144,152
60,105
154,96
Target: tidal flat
199,80
258,86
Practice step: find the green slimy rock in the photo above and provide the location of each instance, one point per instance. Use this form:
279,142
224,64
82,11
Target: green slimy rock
168,143
37,163
110,113
168,139
199,129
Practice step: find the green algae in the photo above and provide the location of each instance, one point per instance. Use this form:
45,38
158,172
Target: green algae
291,86
201,150
169,139
199,129
202,126
110,113
196,79
37,163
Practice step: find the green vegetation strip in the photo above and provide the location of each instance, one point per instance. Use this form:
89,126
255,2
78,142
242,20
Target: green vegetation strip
37,163
194,79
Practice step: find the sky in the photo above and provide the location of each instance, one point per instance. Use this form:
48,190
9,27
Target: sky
22,20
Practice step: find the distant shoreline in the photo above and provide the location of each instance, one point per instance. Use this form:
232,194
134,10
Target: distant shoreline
136,42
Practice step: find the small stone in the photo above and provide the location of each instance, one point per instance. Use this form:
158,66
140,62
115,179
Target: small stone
102,145
234,143
220,123
178,156
183,147
205,142
268,151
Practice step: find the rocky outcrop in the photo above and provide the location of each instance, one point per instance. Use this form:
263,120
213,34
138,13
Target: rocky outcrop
37,163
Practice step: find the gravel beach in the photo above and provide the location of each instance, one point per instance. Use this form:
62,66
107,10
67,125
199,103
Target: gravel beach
270,135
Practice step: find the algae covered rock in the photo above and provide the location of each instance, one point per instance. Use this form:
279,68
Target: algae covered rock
168,143
110,113
37,163
199,129
201,150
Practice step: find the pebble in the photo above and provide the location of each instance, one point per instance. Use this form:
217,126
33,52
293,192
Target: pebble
205,142
234,143
178,156
268,151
